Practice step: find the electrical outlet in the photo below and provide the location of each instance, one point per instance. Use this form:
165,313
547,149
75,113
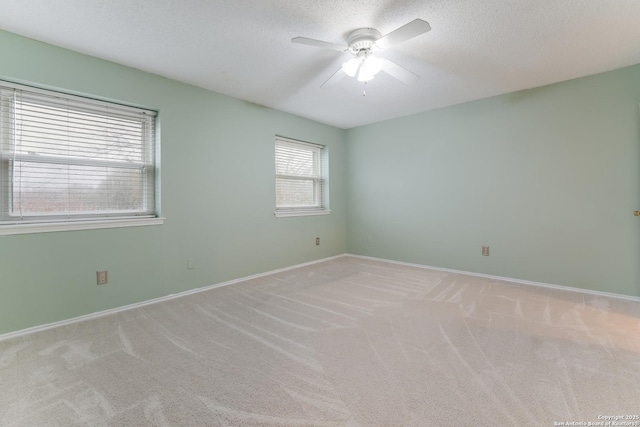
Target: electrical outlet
191,265
317,241
485,251
102,278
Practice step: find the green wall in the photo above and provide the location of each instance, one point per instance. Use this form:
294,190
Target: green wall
548,178
217,195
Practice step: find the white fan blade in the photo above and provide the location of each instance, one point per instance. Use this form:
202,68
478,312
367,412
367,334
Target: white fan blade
404,33
400,73
319,43
334,79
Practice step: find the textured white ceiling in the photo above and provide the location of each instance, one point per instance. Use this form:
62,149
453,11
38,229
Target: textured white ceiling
242,48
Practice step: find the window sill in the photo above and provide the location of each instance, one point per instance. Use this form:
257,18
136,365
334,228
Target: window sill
284,214
48,227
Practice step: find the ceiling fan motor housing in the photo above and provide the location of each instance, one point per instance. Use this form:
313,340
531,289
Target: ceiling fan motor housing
362,39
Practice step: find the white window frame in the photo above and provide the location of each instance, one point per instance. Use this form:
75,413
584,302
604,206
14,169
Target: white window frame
10,223
318,178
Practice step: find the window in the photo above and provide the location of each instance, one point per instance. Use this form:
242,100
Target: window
68,159
300,180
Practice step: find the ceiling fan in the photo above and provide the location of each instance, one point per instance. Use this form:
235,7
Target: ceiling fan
362,44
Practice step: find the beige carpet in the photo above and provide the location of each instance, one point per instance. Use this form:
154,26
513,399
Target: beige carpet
347,342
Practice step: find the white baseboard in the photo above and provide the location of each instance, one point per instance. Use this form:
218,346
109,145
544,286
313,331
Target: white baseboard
505,279
44,327
97,314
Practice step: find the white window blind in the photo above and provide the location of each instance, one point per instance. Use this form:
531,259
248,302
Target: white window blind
68,158
299,177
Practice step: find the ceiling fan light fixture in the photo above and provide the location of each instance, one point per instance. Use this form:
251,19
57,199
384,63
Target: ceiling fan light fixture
364,77
365,66
350,67
372,65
